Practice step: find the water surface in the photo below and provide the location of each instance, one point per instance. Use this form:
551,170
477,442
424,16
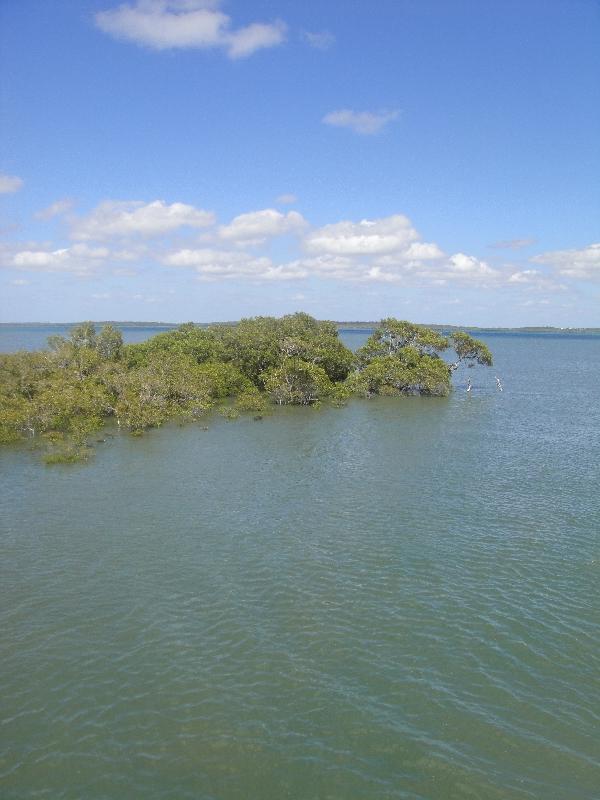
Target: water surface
398,599
34,336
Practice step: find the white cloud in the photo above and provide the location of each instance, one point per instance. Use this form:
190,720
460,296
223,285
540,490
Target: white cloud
245,41
79,259
257,226
116,218
364,122
581,264
10,184
328,267
285,272
534,279
319,40
367,237
166,24
55,209
383,276
132,253
202,257
388,250
287,199
437,270
423,251
413,273
469,266
527,276
20,282
211,264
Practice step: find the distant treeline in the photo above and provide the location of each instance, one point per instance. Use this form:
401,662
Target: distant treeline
65,393
341,325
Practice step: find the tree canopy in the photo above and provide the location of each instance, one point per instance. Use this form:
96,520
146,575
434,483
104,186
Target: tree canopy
63,394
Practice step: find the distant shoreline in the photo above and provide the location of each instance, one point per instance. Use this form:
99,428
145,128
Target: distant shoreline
345,325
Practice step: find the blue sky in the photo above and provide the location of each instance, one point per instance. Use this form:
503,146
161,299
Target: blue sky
174,160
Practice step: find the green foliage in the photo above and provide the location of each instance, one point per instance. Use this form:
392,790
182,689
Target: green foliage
84,349
69,454
393,335
261,344
470,350
297,382
223,379
109,343
229,413
339,394
408,372
252,401
62,395
252,346
145,397
403,358
199,344
83,336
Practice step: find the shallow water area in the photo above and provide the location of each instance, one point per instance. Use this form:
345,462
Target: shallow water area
397,599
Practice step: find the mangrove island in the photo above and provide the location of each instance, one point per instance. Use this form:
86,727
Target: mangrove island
64,394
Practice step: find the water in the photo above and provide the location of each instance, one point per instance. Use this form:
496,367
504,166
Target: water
398,599
34,336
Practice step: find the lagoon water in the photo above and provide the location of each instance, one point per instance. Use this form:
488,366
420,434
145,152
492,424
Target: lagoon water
397,599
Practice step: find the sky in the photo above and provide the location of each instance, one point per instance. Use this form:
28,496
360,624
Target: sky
175,160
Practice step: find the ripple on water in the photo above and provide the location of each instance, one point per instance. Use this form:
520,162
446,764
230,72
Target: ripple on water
394,600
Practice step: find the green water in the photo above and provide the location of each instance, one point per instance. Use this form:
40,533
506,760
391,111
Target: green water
398,599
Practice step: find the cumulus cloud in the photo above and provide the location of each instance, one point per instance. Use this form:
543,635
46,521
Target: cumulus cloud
526,276
211,265
534,279
319,40
55,209
365,123
512,244
423,251
583,264
116,218
10,184
80,259
203,257
367,237
469,266
437,270
389,250
258,226
134,252
245,41
386,250
166,24
327,266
